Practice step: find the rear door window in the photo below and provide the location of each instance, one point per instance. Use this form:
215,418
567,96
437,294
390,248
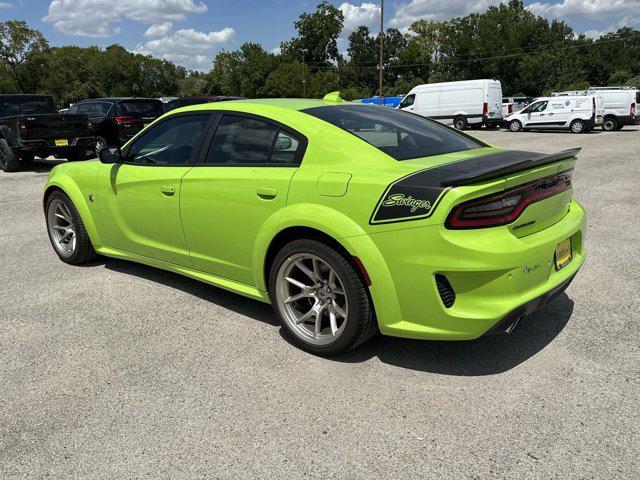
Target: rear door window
248,141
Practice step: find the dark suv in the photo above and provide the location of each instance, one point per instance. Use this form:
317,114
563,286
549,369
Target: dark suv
187,101
116,120
30,126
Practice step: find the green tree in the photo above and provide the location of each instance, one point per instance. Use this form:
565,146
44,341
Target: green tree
317,40
18,43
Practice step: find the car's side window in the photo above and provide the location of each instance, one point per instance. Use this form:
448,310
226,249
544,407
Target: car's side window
240,140
85,108
172,142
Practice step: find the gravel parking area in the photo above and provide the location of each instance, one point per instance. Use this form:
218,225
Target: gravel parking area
117,370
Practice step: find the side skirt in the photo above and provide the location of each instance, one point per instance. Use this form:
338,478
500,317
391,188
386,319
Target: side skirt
220,282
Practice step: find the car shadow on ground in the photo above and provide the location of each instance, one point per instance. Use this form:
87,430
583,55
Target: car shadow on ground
485,356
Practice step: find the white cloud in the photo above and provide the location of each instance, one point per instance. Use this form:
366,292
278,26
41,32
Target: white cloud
189,48
98,18
367,14
437,10
591,9
276,50
159,30
6,5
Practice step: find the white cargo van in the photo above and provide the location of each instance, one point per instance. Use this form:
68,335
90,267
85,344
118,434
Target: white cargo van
470,103
579,113
621,105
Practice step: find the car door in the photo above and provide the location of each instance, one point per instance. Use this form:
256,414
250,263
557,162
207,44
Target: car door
232,195
139,198
534,115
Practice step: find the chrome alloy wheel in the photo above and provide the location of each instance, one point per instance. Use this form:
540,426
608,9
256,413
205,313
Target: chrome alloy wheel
61,228
311,298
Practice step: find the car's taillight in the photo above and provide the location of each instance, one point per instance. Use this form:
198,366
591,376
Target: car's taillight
485,108
593,109
22,126
505,207
124,120
633,109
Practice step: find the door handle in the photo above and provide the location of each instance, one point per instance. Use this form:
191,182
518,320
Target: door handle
267,193
168,190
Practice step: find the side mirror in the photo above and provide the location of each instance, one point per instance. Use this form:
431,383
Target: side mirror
110,155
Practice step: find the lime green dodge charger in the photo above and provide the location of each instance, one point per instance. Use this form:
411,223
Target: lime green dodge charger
348,218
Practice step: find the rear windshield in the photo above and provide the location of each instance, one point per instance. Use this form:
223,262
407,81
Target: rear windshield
25,104
141,108
399,134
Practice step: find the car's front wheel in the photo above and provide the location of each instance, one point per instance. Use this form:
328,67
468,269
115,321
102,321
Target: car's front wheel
67,232
515,126
320,298
578,126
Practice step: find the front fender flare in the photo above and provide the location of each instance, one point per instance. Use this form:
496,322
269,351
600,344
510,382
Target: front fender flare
71,189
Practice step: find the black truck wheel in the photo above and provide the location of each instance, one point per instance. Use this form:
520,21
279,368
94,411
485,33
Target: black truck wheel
9,162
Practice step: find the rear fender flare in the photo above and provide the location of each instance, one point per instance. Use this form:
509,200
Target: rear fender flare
349,235
70,188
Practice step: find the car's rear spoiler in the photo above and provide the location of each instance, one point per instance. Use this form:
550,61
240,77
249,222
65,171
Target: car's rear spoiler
417,195
486,167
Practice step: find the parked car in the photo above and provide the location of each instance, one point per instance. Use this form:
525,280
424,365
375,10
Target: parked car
346,217
116,120
196,100
518,102
30,126
470,103
620,104
580,114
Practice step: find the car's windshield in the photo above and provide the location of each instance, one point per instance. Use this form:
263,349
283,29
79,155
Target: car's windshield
141,108
399,134
26,104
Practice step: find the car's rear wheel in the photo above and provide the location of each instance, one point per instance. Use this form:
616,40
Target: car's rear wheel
67,232
610,124
460,123
320,298
9,162
27,158
515,126
578,126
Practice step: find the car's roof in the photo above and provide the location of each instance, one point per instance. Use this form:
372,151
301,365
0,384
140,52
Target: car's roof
117,99
285,103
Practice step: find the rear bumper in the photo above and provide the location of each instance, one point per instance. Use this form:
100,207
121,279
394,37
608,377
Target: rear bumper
492,272
628,120
49,145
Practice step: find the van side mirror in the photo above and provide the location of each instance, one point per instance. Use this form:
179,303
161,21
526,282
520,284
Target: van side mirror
110,155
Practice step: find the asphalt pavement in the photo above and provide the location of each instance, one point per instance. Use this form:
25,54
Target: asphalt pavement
117,370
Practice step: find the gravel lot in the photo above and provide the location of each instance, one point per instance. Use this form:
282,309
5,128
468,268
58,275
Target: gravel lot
117,370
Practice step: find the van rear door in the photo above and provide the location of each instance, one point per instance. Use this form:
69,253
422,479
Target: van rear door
494,101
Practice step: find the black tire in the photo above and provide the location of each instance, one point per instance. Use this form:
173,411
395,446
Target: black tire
578,126
361,323
610,124
9,161
515,126
101,143
460,123
619,127
83,251
492,126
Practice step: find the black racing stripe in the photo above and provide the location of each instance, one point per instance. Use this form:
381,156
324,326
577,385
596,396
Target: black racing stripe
417,195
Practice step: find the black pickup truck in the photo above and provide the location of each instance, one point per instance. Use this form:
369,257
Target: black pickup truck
30,126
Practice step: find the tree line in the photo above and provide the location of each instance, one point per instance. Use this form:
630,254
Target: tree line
529,54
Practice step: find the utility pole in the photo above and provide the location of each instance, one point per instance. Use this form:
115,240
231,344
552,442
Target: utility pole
381,50
304,76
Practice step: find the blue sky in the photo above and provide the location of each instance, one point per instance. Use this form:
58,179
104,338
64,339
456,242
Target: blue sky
190,32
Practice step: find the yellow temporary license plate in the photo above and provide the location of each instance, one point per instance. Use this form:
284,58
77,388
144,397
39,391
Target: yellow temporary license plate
563,254
62,142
